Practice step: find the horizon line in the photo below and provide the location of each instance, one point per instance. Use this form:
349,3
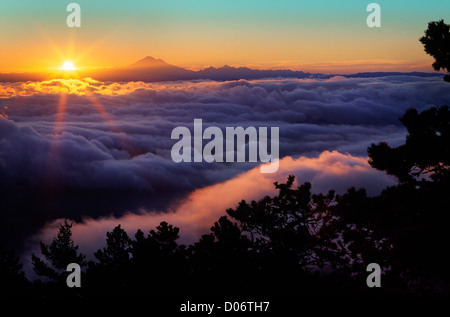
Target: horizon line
319,67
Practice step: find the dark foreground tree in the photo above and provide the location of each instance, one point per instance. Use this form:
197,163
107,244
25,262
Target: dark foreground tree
57,255
437,44
404,230
409,222
425,152
116,253
111,272
284,225
13,281
158,262
295,241
224,262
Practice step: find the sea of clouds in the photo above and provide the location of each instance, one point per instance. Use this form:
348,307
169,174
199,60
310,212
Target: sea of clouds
99,152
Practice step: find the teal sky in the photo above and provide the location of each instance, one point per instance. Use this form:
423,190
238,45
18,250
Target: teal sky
211,32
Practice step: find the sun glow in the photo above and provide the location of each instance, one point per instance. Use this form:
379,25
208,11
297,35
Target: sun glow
68,65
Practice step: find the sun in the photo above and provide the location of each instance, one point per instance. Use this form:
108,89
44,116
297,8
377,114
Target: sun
68,65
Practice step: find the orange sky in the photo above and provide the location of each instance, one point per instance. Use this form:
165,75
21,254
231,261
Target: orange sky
331,37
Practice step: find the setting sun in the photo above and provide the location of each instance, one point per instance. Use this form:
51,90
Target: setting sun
68,66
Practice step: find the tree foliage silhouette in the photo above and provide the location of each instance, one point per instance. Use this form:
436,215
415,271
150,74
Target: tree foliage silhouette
287,225
425,152
12,277
116,253
158,260
111,271
58,254
409,222
437,44
227,257
293,235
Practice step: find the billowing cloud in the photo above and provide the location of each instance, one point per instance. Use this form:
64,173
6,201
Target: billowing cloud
77,148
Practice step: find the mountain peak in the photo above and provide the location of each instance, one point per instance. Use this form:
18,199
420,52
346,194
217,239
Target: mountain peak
148,61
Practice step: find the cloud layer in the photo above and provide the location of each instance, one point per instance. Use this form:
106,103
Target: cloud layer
77,148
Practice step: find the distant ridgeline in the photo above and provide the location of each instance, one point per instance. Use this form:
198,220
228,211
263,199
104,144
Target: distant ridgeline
150,69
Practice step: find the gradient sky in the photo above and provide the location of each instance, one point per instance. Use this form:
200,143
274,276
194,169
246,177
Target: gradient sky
321,35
